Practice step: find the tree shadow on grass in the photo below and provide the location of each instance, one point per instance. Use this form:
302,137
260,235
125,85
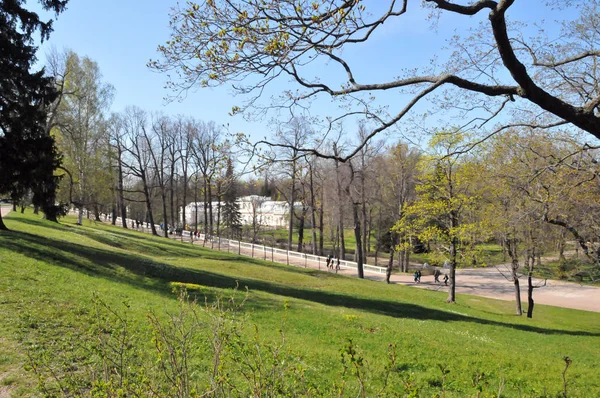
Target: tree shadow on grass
146,244
106,264
155,247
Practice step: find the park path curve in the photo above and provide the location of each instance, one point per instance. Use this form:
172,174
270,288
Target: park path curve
483,282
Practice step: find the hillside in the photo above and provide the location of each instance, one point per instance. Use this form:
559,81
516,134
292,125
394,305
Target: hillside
51,273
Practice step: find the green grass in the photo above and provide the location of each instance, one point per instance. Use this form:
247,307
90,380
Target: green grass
49,273
573,270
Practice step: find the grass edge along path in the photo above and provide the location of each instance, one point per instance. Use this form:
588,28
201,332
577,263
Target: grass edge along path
483,282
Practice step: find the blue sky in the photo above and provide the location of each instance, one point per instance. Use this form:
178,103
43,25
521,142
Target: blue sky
122,35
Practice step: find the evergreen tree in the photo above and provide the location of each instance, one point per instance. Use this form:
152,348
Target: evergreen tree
231,209
28,155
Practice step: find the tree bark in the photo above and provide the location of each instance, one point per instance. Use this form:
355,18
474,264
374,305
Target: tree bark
453,254
512,251
390,266
206,204
122,207
291,204
148,204
301,230
313,212
530,302
163,196
321,222
359,249
210,209
342,245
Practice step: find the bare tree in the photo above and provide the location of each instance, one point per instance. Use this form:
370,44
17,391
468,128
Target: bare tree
223,41
291,135
118,149
160,144
206,151
137,160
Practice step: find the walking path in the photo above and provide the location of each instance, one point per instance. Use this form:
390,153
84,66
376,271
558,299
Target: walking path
5,209
484,282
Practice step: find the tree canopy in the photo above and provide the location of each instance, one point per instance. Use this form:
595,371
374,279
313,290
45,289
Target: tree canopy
28,155
498,70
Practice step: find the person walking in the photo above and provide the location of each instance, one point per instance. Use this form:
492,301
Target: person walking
446,279
419,276
416,276
329,263
337,265
436,276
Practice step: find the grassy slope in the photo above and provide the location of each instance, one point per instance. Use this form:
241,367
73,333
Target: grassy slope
49,272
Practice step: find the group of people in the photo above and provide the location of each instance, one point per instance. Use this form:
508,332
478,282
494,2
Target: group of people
333,261
436,275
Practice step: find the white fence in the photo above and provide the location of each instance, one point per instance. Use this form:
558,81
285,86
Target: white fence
267,252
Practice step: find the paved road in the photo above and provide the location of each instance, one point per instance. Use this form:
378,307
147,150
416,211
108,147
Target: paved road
485,282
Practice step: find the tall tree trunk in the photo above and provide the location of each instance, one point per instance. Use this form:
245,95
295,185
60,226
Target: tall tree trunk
390,266
512,250
122,207
342,245
321,222
205,195
519,309
291,204
184,199
163,196
301,231
172,203
219,197
313,213
530,302
148,204
210,210
196,203
453,254
365,224
359,249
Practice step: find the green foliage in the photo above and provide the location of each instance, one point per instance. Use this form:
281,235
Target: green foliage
28,155
232,218
447,199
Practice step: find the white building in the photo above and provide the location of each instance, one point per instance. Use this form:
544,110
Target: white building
266,212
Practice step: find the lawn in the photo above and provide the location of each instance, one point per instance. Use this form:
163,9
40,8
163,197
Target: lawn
51,273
